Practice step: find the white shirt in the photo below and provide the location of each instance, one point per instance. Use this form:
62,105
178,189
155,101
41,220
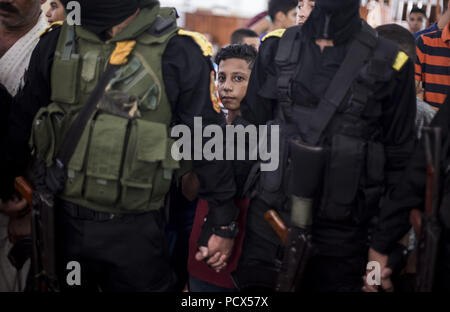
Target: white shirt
14,62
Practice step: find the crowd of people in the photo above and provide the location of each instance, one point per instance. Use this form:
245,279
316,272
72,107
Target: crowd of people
86,113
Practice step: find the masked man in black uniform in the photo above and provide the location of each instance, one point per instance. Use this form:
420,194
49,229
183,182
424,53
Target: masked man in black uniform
333,86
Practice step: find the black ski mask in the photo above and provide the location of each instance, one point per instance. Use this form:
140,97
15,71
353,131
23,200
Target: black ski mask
336,20
98,16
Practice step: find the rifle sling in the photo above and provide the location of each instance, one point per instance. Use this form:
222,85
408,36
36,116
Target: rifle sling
76,130
349,70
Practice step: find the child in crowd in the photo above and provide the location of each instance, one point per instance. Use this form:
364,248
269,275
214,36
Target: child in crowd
235,64
246,36
304,10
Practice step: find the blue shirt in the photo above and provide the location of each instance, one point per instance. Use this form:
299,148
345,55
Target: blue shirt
426,31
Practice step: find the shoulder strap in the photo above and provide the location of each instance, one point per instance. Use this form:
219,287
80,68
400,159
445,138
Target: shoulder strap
287,59
165,22
359,51
70,47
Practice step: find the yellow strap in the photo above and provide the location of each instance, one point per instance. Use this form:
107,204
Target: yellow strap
121,52
201,40
400,61
276,33
50,28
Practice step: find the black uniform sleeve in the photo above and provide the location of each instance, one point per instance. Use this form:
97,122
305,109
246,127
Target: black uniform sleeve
261,98
34,95
399,114
410,193
5,106
187,79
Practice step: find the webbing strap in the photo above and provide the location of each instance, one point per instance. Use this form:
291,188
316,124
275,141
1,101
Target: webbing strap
75,132
348,71
69,44
287,59
73,136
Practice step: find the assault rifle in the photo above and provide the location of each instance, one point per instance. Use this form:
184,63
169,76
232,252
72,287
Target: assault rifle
43,235
426,224
297,252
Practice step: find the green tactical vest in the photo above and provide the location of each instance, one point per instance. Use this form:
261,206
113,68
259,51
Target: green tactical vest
121,164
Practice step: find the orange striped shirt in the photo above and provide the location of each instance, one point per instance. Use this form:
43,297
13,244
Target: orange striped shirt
433,65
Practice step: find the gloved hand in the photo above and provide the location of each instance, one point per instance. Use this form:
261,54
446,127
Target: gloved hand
213,249
397,259
38,175
55,179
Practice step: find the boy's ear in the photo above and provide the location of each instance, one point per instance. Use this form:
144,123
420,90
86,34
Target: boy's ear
280,16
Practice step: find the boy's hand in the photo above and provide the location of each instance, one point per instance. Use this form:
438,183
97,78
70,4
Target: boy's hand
218,251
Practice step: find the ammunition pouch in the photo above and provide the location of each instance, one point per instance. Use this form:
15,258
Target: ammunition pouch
305,169
294,185
353,180
272,184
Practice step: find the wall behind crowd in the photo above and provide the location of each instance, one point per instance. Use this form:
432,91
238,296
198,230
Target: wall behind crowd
218,18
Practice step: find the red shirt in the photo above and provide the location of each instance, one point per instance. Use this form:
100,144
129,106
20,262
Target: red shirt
200,269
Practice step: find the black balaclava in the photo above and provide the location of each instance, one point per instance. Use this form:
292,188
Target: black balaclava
337,20
98,16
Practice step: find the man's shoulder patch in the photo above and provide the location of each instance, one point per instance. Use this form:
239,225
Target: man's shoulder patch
276,33
213,93
200,39
400,60
51,27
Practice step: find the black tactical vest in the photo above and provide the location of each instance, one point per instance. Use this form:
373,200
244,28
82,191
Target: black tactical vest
353,179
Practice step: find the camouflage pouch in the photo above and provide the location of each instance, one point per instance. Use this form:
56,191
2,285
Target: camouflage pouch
120,104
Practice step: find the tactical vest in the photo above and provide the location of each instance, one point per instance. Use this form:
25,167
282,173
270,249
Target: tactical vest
121,163
354,178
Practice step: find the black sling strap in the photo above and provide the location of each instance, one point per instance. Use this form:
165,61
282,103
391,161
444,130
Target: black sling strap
75,132
287,59
361,47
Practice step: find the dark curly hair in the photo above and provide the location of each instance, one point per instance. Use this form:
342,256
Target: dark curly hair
240,51
284,6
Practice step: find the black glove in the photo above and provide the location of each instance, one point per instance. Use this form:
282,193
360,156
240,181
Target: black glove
397,259
55,179
38,174
207,232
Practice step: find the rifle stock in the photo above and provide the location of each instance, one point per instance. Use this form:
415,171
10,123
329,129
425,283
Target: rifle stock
274,220
43,236
23,187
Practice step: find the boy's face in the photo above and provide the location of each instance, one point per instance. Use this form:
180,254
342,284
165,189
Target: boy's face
252,41
304,10
56,12
289,19
416,22
233,80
